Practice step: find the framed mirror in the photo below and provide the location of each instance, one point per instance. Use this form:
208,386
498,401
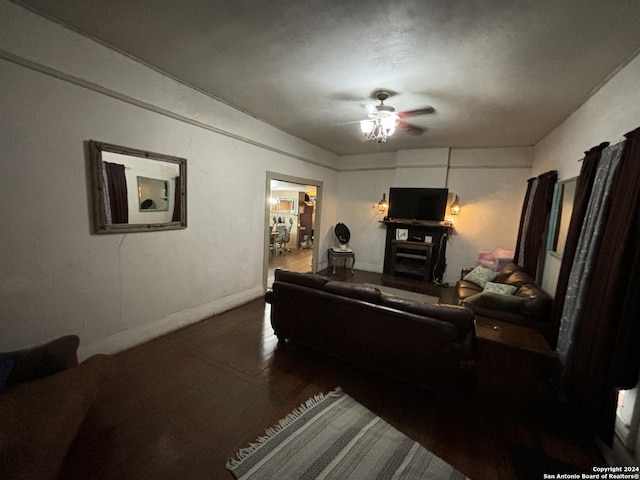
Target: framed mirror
561,210
137,191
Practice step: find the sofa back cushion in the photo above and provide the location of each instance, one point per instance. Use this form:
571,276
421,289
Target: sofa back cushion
506,271
356,291
518,279
461,317
512,274
310,280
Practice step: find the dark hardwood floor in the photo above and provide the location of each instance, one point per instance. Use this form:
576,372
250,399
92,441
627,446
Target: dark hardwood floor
179,406
295,259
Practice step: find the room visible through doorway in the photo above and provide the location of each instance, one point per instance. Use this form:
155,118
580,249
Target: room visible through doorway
291,226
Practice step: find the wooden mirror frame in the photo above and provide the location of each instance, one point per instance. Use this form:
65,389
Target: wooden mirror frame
100,193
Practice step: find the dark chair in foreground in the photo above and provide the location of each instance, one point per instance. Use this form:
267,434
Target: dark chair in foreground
44,397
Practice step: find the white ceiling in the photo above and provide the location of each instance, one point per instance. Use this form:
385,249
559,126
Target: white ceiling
497,72
293,187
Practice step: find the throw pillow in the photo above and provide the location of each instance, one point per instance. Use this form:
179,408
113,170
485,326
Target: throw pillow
500,288
480,276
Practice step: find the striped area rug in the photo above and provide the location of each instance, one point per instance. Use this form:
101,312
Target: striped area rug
334,437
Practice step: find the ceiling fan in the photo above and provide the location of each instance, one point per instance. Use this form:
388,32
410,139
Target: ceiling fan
383,120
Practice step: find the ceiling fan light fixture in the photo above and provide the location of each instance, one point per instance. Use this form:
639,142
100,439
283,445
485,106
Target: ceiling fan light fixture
382,122
367,126
389,123
380,128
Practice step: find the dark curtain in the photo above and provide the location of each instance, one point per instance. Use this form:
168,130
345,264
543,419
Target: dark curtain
606,354
522,228
584,185
118,198
177,204
532,226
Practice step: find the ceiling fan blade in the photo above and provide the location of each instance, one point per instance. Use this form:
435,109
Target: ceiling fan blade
370,109
414,113
411,129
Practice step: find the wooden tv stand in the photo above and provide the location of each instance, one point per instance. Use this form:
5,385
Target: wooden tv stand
412,258
419,253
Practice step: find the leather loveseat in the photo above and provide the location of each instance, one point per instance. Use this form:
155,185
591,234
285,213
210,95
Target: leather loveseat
528,305
44,397
432,346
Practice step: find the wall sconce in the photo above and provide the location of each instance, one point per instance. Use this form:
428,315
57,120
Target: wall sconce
383,204
455,206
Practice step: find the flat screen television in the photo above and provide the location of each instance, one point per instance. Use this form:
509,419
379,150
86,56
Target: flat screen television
423,204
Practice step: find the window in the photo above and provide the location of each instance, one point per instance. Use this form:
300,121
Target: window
285,205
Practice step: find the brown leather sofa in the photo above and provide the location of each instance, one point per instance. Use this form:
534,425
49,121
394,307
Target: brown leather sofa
530,305
432,346
44,397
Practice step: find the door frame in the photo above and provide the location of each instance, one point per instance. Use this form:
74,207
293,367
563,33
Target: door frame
267,211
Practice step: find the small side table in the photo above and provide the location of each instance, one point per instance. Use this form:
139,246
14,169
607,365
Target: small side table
513,361
346,254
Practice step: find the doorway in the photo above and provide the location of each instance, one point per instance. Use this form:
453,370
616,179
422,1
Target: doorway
291,224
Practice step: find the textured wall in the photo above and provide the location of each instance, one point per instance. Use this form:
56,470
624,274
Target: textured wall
60,90
605,117
490,182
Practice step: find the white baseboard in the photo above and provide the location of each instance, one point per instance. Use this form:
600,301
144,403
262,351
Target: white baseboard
134,336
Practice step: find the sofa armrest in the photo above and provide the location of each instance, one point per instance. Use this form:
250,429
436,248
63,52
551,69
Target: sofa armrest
39,419
465,289
537,301
496,301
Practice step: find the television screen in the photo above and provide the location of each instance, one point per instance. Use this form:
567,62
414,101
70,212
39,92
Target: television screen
426,204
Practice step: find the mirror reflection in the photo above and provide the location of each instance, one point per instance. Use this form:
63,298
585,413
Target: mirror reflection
135,190
153,194
562,208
